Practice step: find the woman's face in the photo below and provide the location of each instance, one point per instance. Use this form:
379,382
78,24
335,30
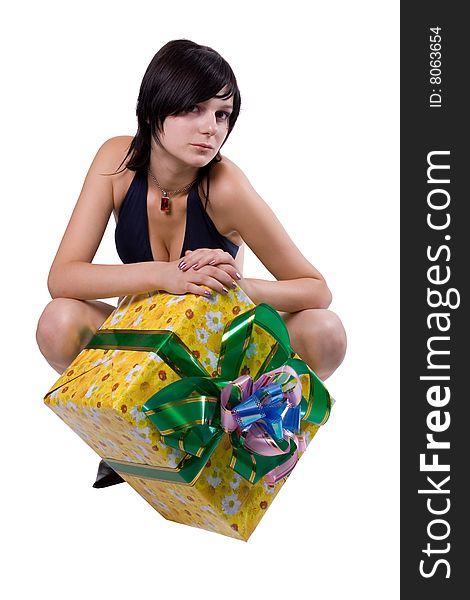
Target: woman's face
194,137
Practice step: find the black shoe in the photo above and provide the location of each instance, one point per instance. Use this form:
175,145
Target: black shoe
106,476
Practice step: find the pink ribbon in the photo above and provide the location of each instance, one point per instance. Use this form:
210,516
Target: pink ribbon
256,437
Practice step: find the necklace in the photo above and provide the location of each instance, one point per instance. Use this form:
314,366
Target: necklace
166,194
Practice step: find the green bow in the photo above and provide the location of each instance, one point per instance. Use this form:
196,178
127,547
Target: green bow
187,412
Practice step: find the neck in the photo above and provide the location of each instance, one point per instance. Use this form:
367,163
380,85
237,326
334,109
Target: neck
171,173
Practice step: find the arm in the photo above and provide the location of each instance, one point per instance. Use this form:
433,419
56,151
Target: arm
299,284
288,295
72,275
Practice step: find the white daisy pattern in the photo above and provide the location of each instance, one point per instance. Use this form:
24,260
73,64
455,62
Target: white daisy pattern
176,300
159,503
94,414
214,320
209,525
174,457
202,336
154,356
231,504
212,299
137,413
212,359
142,434
251,350
112,449
132,372
214,479
90,390
179,496
235,482
269,489
138,320
138,457
209,509
105,360
118,315
241,296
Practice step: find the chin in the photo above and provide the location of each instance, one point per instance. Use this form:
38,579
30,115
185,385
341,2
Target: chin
200,161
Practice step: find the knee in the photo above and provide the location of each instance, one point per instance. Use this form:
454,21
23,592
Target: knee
58,332
320,336
333,335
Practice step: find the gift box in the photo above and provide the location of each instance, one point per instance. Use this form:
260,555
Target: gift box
199,403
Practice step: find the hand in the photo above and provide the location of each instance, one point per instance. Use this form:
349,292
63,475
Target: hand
181,277
206,256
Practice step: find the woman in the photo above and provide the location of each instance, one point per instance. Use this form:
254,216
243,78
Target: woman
153,183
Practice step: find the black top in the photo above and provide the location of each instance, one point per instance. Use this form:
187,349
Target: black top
132,229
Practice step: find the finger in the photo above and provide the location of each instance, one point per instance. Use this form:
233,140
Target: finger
192,288
213,257
232,271
222,258
216,279
213,283
191,257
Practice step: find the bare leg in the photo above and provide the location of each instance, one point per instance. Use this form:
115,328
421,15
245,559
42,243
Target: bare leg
318,337
66,326
64,329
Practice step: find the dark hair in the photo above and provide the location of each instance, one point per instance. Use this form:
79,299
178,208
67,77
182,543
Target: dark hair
181,74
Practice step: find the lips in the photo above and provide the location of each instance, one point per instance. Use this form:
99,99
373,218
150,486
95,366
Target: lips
206,146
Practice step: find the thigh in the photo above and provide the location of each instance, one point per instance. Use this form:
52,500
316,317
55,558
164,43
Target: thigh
94,312
67,321
88,311
66,326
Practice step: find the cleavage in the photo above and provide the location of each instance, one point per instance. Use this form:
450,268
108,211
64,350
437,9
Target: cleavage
166,231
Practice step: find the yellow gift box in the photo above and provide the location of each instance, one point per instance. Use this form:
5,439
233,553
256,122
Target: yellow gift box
102,393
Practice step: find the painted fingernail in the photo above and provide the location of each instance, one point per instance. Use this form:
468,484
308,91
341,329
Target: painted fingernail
207,293
234,285
212,261
182,265
225,289
195,266
238,275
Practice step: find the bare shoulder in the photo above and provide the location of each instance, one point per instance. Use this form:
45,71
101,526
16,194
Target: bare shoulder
227,180
112,152
110,157
243,210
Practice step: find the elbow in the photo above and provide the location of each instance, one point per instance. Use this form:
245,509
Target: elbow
324,296
327,298
53,285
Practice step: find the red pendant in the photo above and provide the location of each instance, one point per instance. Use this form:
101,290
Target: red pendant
165,204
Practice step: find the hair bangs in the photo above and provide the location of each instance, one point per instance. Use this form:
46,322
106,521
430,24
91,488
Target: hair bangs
180,75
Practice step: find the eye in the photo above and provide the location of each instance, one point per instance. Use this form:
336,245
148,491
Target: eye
221,114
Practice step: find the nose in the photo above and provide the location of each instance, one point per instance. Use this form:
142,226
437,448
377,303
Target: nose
208,124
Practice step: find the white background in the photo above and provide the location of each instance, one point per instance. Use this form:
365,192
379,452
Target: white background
318,138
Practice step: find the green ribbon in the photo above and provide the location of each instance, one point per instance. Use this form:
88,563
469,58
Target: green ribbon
187,412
